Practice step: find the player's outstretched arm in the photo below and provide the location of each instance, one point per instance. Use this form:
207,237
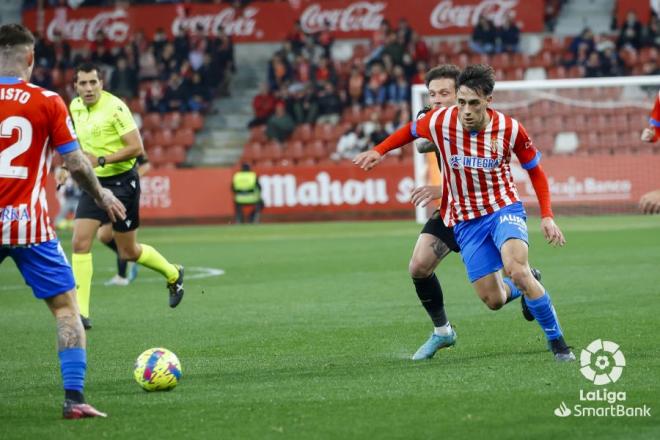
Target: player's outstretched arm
551,231
83,173
422,195
650,202
367,159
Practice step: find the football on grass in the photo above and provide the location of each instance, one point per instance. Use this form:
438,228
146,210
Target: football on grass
157,369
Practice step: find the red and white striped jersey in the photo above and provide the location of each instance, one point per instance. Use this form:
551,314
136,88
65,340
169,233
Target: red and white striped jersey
33,122
475,165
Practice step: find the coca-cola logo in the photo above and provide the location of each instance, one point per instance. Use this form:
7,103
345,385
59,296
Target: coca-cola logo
114,25
233,22
360,16
446,14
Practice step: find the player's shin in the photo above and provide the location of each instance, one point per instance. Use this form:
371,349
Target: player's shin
83,270
430,295
544,312
513,291
152,259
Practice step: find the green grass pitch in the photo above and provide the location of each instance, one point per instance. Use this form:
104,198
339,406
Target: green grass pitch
309,331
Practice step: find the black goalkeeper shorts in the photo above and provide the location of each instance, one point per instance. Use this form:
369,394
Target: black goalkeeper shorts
126,187
436,227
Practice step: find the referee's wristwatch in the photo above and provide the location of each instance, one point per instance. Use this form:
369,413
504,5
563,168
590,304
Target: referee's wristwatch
101,161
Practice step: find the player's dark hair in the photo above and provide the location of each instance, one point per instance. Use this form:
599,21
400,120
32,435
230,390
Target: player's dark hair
88,67
448,71
478,77
15,35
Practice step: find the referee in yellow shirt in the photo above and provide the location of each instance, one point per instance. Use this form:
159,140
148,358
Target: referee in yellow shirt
109,137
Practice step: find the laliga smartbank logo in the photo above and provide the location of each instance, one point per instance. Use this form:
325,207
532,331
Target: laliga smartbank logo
602,363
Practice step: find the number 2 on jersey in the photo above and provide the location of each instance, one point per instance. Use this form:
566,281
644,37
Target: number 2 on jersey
23,143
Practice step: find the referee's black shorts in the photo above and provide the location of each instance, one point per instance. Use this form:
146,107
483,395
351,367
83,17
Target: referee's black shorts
126,187
436,227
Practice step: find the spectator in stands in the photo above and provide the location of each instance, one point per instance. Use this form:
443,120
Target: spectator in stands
305,105
352,142
398,90
302,69
176,94
330,104
324,72
592,68
41,76
296,37
325,40
356,85
222,49
420,50
408,65
280,125
159,42
394,47
199,95
651,33
279,72
154,97
611,62
148,64
378,39
311,50
374,91
630,34
404,30
378,134
401,117
586,38
123,80
420,72
263,105
508,36
43,52
181,44
483,36
167,64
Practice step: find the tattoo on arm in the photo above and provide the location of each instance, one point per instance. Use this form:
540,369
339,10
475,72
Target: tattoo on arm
425,146
69,332
83,173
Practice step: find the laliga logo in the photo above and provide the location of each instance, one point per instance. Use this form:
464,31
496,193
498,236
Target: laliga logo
602,362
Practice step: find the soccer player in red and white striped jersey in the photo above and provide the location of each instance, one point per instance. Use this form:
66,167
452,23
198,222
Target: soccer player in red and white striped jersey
33,123
650,202
476,144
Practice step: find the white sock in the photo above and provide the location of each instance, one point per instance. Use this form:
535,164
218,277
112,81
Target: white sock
445,330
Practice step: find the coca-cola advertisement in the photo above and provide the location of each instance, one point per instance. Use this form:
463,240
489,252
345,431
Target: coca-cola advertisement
269,22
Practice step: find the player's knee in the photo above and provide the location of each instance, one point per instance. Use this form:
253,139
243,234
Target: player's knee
81,245
130,253
419,268
494,303
520,275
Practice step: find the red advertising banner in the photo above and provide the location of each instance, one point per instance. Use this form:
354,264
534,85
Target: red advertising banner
268,22
599,183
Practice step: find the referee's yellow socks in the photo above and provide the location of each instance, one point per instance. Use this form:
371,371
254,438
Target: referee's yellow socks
82,271
152,259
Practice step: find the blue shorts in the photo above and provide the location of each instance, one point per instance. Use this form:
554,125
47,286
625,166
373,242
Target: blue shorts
44,267
481,239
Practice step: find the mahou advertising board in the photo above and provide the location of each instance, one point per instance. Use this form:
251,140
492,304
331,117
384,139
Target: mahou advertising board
269,22
600,183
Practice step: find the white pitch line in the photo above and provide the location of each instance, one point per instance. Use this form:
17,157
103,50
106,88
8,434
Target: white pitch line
199,273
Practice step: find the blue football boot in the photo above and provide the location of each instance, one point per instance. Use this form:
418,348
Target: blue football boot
433,344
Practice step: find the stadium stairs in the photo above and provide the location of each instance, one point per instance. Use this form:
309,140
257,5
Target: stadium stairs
575,15
225,128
